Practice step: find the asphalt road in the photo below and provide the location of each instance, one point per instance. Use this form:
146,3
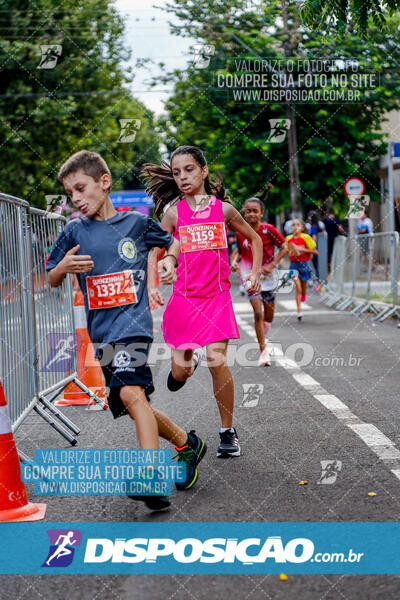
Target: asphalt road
341,405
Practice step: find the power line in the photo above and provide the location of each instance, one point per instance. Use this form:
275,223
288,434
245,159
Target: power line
100,93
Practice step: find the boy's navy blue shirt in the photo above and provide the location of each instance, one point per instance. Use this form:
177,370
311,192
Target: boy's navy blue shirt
107,243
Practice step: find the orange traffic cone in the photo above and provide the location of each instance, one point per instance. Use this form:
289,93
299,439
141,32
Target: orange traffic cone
14,505
89,370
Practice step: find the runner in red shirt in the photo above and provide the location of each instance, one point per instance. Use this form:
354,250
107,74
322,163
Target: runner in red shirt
264,304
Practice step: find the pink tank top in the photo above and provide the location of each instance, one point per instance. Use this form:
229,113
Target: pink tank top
203,270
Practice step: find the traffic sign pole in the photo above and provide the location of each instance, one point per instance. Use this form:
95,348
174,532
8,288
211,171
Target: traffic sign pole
390,188
354,187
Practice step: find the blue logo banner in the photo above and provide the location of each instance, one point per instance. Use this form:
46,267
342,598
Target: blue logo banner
220,548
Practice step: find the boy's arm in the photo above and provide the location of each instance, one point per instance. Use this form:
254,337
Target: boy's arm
71,263
152,269
169,263
235,259
168,222
155,296
168,272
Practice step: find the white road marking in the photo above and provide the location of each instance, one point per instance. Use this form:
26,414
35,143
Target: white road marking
291,305
245,308
304,379
376,441
315,312
242,307
287,363
331,402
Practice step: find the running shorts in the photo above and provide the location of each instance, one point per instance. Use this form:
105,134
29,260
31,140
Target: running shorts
267,297
302,268
125,363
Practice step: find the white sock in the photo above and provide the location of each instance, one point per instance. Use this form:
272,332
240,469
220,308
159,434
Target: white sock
267,327
223,429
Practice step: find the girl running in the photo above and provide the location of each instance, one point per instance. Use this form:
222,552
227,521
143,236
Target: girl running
301,246
264,304
200,312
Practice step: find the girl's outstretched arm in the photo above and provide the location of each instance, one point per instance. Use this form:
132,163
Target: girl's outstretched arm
235,220
168,223
310,250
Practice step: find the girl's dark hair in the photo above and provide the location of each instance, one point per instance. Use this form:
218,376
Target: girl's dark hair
314,219
255,199
260,198
160,183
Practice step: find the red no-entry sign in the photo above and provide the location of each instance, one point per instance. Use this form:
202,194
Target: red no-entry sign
354,187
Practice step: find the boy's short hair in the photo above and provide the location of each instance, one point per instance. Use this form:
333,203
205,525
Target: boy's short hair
90,163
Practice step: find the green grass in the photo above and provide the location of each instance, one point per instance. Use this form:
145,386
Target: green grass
380,298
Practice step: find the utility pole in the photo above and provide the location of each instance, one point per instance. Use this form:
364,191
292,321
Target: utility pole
292,133
291,116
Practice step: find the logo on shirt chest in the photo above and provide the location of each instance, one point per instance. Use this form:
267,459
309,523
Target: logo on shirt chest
127,249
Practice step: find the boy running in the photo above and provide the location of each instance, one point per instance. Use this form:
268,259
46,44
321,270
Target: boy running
108,252
263,304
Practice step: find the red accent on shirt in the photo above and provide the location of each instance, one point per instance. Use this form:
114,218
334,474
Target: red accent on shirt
304,256
271,239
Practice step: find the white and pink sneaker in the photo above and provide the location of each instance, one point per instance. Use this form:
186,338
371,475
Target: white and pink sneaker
265,359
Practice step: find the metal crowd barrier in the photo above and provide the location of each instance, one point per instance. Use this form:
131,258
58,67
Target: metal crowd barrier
36,321
16,308
364,275
54,306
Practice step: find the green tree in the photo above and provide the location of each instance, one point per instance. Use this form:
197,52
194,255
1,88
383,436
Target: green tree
46,114
335,140
345,14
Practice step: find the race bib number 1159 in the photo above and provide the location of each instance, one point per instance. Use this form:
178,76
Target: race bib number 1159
111,290
205,236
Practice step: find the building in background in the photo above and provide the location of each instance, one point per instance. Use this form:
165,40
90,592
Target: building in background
380,212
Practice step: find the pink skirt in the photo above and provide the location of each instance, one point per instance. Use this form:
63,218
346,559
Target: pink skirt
190,323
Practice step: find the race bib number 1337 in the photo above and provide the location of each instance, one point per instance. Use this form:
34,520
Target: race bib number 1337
111,290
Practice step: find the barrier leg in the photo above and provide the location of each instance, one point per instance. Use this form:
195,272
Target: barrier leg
358,307
67,422
380,314
334,300
374,309
53,423
391,312
325,297
23,457
366,307
90,393
347,302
